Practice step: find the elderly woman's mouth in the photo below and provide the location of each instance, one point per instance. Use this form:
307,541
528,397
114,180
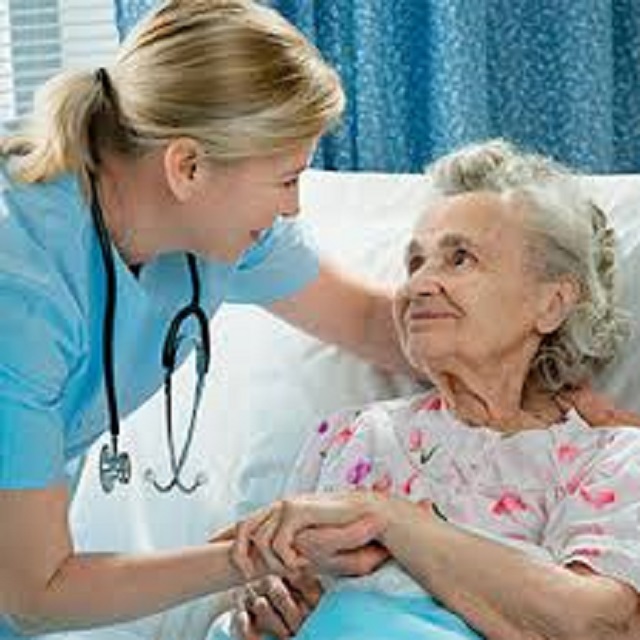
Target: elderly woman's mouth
428,315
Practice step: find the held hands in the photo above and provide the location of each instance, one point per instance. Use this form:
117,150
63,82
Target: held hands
331,532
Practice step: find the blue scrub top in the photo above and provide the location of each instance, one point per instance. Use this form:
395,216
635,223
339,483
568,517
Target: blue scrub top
52,299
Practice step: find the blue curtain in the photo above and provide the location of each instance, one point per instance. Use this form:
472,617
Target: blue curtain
425,76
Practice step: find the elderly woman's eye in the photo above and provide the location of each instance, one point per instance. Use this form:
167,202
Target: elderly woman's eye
414,263
461,256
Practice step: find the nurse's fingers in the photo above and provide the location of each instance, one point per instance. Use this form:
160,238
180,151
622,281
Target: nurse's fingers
336,510
224,535
262,538
596,408
242,546
295,516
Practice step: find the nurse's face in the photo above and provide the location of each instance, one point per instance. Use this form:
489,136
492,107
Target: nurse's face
241,199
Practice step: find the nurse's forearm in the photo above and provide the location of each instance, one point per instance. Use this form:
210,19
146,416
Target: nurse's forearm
381,343
91,590
502,592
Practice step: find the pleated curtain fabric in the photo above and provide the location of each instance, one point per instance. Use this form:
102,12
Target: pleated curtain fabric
425,76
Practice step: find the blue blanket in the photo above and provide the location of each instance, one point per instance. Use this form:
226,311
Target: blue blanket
363,615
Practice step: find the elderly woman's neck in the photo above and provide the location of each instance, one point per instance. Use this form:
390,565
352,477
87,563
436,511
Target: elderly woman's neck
507,400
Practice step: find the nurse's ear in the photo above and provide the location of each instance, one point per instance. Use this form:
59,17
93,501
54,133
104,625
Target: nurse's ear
181,158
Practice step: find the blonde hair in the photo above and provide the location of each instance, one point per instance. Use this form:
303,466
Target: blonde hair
568,236
231,74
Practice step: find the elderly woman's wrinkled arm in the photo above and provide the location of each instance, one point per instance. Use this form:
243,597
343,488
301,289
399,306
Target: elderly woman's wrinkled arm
502,592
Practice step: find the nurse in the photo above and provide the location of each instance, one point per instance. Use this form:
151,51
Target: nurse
192,142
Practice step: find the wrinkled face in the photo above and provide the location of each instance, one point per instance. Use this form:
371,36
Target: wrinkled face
470,297
241,199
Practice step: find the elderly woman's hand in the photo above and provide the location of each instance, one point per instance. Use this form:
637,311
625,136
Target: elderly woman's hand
275,605
351,523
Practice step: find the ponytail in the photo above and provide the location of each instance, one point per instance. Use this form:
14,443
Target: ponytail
58,137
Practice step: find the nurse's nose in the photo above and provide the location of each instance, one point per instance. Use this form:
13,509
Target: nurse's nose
290,208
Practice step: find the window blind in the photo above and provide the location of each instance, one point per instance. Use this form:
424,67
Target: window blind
40,37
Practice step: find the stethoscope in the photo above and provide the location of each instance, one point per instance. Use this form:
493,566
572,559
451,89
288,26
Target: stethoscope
115,465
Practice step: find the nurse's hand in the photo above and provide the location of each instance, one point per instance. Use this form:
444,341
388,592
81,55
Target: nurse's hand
275,605
596,408
350,524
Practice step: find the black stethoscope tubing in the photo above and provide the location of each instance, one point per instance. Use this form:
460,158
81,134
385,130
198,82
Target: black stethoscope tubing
115,466
108,321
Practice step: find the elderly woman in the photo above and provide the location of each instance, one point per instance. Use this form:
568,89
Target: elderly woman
491,496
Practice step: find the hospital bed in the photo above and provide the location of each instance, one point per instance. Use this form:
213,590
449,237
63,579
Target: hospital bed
270,384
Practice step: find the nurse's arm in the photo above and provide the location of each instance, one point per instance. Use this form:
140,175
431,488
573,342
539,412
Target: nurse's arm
45,586
339,308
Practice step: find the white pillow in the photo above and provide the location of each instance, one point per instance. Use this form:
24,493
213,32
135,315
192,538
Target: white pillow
619,197
363,221
271,384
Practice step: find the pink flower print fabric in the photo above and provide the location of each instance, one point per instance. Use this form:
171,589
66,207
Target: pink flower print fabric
329,439
508,504
597,520
569,492
353,448
359,471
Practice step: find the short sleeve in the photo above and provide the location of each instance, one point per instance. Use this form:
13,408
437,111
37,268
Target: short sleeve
283,261
35,361
596,522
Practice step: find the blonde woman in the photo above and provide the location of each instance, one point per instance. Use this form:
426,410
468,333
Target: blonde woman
164,184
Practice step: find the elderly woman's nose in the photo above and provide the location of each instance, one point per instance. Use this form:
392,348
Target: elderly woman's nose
424,282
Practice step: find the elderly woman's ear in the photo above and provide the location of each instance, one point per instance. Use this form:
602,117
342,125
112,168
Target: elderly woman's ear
557,300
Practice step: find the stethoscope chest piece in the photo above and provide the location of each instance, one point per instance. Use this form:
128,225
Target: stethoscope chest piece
114,467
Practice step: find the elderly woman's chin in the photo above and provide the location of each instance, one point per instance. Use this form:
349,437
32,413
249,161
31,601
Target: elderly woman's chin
427,351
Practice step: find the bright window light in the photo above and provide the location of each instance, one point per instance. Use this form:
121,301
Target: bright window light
40,37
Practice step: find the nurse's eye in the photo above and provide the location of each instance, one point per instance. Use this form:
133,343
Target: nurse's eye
290,184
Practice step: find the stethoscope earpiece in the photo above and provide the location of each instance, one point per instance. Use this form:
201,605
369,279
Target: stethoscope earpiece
151,478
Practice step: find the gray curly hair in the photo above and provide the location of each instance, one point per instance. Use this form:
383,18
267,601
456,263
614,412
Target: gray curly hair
568,235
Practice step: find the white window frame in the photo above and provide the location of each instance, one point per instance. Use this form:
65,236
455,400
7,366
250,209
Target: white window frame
38,38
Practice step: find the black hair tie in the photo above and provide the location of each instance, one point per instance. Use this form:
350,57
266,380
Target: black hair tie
102,78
